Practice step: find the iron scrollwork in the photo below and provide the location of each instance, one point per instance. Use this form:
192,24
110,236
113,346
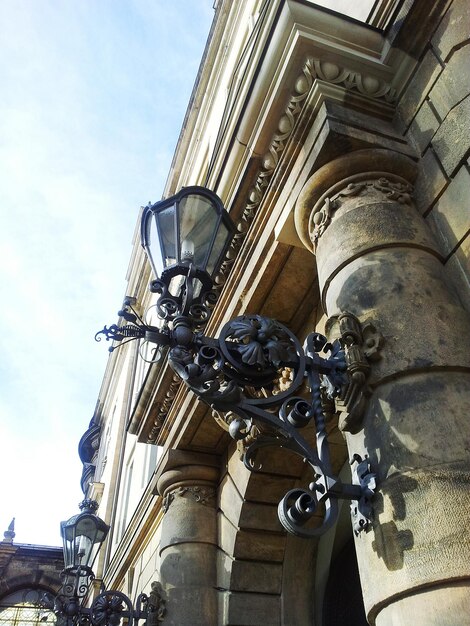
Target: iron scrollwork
248,355
109,608
238,374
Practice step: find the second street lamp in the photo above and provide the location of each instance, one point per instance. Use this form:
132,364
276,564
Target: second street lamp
237,373
82,536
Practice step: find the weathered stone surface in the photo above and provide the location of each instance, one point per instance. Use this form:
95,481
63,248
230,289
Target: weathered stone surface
450,217
255,576
419,86
25,565
453,29
418,540
179,467
319,186
459,268
388,224
415,429
189,536
250,609
400,290
423,127
430,182
452,140
242,575
248,515
250,545
437,606
396,433
453,84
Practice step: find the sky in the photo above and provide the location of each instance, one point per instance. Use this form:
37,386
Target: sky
92,98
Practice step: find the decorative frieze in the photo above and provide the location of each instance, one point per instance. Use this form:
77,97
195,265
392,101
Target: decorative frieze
164,409
379,189
201,495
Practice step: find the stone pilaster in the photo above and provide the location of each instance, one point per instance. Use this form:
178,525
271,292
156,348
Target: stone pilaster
377,259
187,481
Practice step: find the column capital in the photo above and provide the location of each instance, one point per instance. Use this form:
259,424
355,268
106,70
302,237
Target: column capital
182,468
373,163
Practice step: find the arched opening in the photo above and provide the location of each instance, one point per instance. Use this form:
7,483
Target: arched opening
25,607
338,594
343,603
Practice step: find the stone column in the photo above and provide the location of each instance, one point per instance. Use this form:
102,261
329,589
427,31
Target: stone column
377,259
187,481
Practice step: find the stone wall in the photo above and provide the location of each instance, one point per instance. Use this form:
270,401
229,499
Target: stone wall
29,566
435,112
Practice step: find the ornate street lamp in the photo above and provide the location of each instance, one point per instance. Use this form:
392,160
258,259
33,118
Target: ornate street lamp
82,536
238,374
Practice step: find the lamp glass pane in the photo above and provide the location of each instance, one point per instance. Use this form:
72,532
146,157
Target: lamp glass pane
69,543
167,235
221,239
197,222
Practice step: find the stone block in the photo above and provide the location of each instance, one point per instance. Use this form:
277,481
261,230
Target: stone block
452,140
419,86
250,545
250,515
260,516
267,488
453,84
423,127
261,486
260,545
429,183
450,216
259,577
250,609
459,270
453,29
230,501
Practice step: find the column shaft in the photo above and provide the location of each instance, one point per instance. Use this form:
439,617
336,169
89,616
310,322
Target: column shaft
377,259
188,542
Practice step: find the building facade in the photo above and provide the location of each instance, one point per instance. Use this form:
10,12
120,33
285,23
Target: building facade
340,149
29,579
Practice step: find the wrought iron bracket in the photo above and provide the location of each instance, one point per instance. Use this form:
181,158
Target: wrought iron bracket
237,374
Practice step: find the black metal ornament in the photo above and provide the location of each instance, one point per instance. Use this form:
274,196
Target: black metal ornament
248,355
237,373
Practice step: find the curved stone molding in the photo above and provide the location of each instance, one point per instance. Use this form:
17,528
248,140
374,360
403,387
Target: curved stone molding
187,473
366,84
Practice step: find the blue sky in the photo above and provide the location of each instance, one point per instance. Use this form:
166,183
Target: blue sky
93,94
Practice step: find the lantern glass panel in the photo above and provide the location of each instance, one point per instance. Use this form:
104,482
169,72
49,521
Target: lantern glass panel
167,236
198,220
221,240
